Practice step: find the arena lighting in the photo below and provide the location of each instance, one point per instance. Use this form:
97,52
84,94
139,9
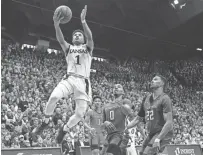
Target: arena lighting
24,45
49,50
199,49
178,4
31,46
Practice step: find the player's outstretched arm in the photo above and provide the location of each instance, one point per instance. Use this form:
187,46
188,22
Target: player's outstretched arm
87,121
59,34
87,31
139,118
134,122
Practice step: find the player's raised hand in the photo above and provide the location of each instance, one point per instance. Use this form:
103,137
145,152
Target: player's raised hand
83,14
57,18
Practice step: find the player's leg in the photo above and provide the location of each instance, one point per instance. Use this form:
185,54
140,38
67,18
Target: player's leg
165,141
114,145
144,145
82,100
101,141
95,145
104,149
63,89
80,110
150,150
81,107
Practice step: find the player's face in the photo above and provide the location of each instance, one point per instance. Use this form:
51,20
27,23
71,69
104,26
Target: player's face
156,82
97,102
78,38
118,89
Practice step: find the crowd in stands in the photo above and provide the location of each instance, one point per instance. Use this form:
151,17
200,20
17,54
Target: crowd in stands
28,79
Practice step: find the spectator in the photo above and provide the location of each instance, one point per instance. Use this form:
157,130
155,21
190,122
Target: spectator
27,82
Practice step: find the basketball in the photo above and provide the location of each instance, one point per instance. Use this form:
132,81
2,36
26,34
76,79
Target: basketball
65,12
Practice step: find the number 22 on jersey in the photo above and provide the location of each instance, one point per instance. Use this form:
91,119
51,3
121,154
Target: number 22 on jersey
150,115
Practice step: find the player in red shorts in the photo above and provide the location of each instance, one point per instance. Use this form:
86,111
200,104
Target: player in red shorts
94,117
156,109
115,115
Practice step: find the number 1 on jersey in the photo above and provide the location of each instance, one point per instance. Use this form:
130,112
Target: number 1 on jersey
78,60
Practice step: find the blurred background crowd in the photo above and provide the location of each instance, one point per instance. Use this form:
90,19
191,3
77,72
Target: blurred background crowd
28,77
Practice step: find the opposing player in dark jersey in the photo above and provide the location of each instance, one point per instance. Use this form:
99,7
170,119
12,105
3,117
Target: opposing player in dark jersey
93,121
156,109
114,117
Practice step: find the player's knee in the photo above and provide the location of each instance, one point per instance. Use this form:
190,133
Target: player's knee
81,107
114,149
79,113
55,95
95,152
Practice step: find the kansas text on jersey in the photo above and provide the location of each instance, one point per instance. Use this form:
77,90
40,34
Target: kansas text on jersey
79,60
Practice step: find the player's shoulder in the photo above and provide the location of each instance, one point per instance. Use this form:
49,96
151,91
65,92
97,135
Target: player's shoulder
166,97
126,101
90,112
107,105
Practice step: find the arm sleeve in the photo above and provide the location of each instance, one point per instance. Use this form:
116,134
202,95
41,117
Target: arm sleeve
104,115
141,112
167,104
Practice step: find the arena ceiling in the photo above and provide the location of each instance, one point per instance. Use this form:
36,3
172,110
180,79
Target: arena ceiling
141,28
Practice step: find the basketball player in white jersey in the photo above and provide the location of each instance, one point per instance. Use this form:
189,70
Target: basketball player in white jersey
76,82
132,133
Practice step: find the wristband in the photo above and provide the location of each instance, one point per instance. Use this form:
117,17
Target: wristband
157,140
83,21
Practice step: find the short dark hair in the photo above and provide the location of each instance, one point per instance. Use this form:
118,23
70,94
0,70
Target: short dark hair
78,30
162,78
94,98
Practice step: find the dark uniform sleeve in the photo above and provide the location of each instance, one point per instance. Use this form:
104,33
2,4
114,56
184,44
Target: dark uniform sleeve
167,104
141,112
104,115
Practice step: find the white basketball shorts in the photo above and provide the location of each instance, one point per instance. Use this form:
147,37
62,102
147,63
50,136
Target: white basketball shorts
80,88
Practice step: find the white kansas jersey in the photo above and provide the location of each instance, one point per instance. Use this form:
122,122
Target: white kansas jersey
79,60
132,134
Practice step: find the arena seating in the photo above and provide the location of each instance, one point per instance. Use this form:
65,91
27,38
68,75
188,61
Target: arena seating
28,79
